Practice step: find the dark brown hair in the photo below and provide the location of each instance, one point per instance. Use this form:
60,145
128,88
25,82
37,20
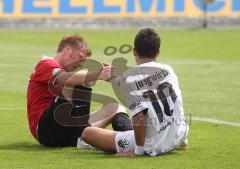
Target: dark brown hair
75,42
147,43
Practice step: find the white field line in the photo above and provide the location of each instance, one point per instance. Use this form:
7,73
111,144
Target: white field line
11,108
201,119
193,62
3,65
177,62
215,121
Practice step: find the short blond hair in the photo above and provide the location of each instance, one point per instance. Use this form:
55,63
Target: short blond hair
75,42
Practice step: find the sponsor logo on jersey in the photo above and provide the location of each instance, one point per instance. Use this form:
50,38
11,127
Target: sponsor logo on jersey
123,143
134,105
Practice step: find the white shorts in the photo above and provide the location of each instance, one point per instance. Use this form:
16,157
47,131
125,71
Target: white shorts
125,141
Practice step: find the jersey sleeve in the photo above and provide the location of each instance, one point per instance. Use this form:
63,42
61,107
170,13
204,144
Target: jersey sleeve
46,71
134,97
116,81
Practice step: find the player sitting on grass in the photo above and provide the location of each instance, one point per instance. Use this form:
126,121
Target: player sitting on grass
155,102
58,99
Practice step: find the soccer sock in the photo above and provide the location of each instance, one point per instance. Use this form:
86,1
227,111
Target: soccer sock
121,122
81,98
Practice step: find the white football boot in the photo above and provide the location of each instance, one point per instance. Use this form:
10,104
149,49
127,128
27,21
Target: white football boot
83,145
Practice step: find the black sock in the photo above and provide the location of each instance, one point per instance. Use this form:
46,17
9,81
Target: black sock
121,122
81,101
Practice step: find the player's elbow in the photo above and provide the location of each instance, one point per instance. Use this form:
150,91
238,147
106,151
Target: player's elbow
139,119
69,82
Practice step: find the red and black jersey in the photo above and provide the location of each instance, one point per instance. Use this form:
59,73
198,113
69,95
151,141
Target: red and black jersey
39,94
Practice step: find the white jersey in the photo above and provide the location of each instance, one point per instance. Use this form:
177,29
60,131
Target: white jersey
155,87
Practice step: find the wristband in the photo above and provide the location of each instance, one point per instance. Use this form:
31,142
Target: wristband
139,150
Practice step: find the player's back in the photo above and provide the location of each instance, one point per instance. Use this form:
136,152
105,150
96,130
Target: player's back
155,87
39,95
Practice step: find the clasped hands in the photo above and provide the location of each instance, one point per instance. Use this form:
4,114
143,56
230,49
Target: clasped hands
108,72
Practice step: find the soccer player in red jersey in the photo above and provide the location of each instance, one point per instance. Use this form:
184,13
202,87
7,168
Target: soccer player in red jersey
58,96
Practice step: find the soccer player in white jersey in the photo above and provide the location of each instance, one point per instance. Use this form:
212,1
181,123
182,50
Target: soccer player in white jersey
155,102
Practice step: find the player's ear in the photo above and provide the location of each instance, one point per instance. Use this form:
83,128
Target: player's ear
134,52
158,53
67,50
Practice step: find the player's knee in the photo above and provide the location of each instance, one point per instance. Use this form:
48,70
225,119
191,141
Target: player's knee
116,108
121,108
86,134
121,122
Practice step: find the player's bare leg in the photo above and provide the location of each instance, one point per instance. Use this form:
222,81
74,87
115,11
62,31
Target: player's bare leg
97,137
100,138
103,117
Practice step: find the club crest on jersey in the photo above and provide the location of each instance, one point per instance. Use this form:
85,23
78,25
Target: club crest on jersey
56,71
123,143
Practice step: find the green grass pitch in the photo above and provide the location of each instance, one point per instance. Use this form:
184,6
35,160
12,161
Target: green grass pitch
208,66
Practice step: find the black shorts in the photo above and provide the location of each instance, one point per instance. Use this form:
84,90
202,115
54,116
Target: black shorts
53,132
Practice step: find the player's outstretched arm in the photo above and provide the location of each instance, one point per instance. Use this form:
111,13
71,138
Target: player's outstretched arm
81,77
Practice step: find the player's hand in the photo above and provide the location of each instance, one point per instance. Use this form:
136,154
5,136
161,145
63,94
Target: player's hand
106,64
114,73
126,154
105,73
